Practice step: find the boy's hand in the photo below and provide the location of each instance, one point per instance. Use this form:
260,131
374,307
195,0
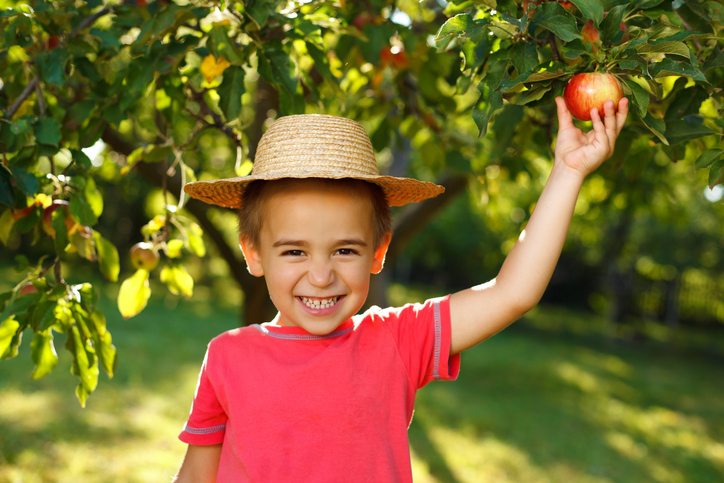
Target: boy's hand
584,152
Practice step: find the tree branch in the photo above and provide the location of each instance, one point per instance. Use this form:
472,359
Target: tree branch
88,21
413,220
24,95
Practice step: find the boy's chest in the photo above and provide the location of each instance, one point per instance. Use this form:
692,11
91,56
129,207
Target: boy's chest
307,390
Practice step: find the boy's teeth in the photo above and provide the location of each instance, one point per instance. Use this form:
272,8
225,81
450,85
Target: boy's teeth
319,303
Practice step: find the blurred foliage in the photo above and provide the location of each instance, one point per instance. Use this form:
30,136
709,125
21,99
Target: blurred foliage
109,108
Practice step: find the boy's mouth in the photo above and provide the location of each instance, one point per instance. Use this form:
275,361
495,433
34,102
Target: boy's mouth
313,303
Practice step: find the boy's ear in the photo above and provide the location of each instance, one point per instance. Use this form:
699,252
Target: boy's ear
379,259
251,255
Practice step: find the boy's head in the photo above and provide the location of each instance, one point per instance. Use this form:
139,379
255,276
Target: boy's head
254,209
316,250
314,216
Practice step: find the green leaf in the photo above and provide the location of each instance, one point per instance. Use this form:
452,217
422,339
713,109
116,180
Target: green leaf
6,225
51,65
592,9
61,230
553,17
489,101
529,77
639,96
81,158
278,69
670,67
27,182
7,196
533,94
687,102
156,153
321,62
178,280
8,330
230,92
220,45
85,365
683,130
86,204
43,355
105,350
716,173
173,248
671,48
656,126
462,25
610,27
524,56
134,294
47,131
716,59
107,257
195,240
707,158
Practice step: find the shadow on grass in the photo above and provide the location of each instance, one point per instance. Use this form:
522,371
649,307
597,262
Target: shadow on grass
142,408
616,414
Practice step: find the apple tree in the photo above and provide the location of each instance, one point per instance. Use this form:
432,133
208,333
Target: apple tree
178,91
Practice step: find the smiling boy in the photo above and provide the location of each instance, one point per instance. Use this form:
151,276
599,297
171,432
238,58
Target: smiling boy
319,393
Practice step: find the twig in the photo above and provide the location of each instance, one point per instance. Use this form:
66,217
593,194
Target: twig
88,21
39,93
554,47
688,27
58,276
24,95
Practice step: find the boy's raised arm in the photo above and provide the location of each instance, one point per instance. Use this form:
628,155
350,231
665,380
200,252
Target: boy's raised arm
480,312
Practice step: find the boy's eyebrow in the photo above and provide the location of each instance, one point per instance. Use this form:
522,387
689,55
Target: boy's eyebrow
300,243
288,242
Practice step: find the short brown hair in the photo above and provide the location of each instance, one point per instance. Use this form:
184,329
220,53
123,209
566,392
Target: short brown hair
257,192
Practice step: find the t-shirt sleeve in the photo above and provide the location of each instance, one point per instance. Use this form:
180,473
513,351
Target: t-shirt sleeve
422,334
207,420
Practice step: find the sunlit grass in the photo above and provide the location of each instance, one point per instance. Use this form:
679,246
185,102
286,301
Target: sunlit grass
543,401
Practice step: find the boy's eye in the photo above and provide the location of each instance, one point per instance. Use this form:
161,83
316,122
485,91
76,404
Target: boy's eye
293,253
347,251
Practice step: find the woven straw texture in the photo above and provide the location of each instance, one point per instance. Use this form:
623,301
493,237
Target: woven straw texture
314,146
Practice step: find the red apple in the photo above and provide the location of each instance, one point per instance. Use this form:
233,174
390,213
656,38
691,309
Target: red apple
590,90
144,256
566,5
363,19
590,33
397,59
26,289
52,42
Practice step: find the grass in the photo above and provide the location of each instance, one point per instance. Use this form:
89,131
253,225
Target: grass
539,402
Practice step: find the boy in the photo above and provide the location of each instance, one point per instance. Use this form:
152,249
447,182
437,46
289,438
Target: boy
321,394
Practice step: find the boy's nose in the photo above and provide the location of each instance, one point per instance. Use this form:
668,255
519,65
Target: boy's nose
321,274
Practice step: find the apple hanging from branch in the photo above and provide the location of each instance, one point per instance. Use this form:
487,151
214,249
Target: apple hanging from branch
591,90
144,256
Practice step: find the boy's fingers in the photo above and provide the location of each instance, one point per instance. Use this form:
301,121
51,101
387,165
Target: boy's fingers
621,115
611,124
599,130
565,119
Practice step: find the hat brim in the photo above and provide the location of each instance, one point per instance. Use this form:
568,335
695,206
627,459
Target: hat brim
227,192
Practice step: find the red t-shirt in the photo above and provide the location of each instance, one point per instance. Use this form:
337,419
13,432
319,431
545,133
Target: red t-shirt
291,406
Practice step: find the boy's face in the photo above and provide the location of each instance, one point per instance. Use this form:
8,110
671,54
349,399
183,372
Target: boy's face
316,251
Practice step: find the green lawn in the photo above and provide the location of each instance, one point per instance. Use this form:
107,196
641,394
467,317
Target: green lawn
536,403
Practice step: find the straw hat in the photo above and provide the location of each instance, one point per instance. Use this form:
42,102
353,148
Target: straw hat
313,146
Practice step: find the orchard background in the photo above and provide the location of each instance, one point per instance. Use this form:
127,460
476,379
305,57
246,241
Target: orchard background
108,108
